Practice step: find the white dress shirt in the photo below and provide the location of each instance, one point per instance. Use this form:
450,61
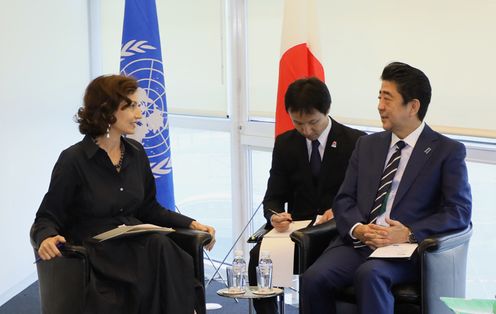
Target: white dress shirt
322,140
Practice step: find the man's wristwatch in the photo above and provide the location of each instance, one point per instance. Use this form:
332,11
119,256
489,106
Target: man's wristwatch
411,237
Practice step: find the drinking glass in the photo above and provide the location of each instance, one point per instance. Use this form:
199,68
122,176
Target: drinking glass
264,279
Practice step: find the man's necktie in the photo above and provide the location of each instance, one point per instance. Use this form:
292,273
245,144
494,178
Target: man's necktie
315,160
385,185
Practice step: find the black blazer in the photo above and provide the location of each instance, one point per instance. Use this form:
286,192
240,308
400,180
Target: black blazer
291,179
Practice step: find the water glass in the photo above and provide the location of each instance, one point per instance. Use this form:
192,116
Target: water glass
264,279
235,282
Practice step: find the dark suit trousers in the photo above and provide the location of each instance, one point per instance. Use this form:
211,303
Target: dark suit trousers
266,305
343,266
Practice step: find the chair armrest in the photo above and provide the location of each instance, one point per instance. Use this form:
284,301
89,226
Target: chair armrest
443,265
258,235
192,241
69,273
311,241
72,250
446,241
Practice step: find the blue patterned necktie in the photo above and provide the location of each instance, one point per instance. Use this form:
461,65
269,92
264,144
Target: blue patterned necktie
315,160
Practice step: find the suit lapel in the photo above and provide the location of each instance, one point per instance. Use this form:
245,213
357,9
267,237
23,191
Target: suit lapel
330,152
422,151
333,153
377,155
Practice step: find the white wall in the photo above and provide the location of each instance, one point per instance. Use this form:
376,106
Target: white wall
44,67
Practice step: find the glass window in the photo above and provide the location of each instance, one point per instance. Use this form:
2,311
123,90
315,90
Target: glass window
481,273
261,161
202,180
264,21
193,53
357,41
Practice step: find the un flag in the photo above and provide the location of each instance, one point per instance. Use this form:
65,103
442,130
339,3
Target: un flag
141,58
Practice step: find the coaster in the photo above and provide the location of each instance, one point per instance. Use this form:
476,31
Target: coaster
267,292
226,291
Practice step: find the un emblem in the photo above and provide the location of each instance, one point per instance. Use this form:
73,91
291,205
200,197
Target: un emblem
153,129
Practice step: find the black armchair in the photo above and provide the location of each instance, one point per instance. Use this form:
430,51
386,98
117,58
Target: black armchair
63,280
443,262
258,235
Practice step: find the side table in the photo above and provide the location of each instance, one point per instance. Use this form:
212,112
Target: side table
250,295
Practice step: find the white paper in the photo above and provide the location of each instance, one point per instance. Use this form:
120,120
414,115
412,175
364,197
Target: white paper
401,250
281,249
295,225
124,230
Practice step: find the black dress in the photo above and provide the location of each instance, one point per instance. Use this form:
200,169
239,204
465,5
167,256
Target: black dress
148,273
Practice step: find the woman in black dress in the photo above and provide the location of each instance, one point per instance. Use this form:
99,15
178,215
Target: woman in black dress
105,181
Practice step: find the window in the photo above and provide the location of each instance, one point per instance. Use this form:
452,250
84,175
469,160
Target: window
202,180
264,21
261,161
481,273
193,53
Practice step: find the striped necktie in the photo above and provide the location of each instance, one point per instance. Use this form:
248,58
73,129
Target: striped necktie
384,186
386,181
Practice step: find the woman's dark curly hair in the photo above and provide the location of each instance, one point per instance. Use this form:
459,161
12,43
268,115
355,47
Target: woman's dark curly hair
101,99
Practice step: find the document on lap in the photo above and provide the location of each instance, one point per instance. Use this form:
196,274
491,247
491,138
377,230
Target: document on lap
281,250
401,251
124,230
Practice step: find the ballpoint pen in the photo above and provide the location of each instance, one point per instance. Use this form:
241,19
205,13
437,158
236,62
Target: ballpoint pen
278,214
39,259
254,236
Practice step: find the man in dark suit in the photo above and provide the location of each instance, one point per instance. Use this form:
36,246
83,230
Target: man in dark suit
308,166
422,190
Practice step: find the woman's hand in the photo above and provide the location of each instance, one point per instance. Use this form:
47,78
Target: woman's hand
48,248
198,226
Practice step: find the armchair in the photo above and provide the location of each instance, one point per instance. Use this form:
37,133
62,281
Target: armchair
443,261
63,280
258,235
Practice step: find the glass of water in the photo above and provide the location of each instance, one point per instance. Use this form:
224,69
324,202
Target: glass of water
235,282
264,279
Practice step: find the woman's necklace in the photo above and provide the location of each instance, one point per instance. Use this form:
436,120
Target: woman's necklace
118,166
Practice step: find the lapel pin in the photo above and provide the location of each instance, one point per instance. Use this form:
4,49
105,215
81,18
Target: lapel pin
334,144
428,150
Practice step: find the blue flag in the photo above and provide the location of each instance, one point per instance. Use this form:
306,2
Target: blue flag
141,58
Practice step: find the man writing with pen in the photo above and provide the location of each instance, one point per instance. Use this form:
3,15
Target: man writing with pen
308,166
281,221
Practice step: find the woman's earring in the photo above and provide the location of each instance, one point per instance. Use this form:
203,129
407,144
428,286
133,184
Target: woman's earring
108,131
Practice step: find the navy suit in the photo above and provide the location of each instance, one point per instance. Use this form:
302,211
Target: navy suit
433,197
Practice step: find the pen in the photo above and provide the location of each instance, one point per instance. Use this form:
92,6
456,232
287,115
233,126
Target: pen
59,245
277,214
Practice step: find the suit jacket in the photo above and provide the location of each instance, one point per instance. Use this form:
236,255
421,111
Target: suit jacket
291,179
433,195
